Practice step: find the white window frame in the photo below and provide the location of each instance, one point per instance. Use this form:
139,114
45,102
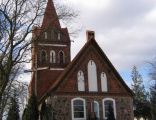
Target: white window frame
72,108
114,106
98,113
52,59
104,86
80,81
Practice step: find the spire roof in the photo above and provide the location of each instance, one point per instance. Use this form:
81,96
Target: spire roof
50,16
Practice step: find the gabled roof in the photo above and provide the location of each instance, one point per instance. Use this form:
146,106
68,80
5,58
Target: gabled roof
50,16
74,61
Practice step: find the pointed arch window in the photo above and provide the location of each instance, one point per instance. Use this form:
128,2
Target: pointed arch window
43,56
104,82
108,107
80,80
92,76
59,36
61,57
96,109
52,56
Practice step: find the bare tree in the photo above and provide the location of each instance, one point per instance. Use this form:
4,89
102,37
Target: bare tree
17,17
14,87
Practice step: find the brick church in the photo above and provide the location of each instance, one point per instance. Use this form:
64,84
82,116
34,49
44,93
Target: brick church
79,89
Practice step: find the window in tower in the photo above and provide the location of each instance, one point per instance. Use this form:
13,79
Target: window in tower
61,57
45,35
59,36
43,57
52,56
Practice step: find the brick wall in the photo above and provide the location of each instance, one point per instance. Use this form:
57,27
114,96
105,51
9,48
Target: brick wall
62,105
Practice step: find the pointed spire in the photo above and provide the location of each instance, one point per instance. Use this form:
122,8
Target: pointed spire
50,16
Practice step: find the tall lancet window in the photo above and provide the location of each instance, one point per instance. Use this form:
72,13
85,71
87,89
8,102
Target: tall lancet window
45,35
52,56
59,36
80,80
43,57
92,76
61,57
104,82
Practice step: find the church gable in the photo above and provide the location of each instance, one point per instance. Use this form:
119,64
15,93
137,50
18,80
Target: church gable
90,81
91,72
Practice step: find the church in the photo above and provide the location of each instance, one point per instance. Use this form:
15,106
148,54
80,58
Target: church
79,89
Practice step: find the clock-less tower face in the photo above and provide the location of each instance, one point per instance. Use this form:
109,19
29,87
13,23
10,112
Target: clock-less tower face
53,44
54,48
50,51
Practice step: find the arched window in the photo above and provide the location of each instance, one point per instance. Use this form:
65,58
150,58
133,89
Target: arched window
45,35
52,56
61,57
96,109
104,82
80,80
43,56
52,34
109,107
78,109
59,36
92,76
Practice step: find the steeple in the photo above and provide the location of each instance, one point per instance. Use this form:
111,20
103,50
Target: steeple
50,16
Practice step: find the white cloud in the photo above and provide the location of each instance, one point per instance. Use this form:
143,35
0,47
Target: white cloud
125,29
151,16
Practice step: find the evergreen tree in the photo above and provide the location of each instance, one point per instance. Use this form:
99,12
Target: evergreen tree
47,112
139,92
13,113
31,111
152,74
137,85
44,112
110,113
153,101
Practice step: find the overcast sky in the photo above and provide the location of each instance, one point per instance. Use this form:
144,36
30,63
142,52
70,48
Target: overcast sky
125,30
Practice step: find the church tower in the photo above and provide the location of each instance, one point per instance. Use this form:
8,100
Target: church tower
50,51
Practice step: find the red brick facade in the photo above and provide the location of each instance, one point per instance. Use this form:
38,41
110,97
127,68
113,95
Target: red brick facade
56,80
